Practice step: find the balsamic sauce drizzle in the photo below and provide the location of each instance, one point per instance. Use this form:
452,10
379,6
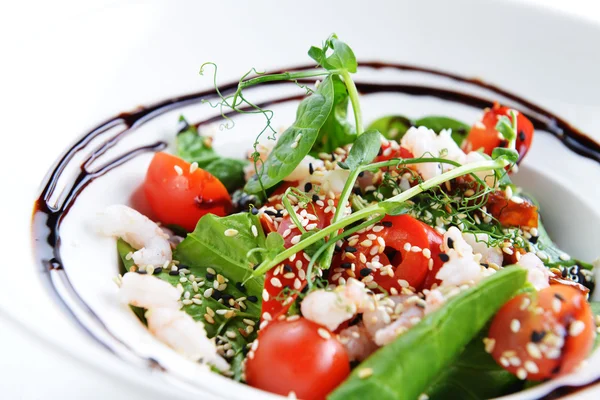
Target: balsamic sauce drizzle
48,217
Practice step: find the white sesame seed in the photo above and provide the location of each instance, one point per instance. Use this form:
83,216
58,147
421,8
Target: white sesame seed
254,231
310,227
365,373
377,228
489,344
556,305
197,301
297,284
526,303
427,253
515,325
521,374
265,295
276,282
576,328
533,350
299,264
193,167
231,232
565,257
296,239
178,170
302,274
366,243
187,302
416,249
504,362
294,145
531,367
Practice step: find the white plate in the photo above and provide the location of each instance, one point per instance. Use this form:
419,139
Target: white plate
167,43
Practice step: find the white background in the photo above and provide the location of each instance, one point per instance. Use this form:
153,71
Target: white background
29,369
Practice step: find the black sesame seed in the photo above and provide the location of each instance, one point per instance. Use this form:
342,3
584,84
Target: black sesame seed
485,265
142,271
534,239
311,170
365,272
254,211
420,305
522,135
559,296
450,243
315,197
226,297
332,156
337,249
387,224
503,143
350,249
361,174
210,276
357,191
537,337
346,265
308,187
444,257
240,287
252,299
556,369
380,151
173,273
217,295
271,213
288,268
182,266
157,270
564,272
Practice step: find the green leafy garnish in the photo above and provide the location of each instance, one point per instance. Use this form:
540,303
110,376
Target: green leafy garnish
363,151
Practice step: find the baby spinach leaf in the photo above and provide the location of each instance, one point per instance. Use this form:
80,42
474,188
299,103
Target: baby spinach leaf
341,58
193,147
395,126
460,130
209,247
474,375
364,149
337,131
392,127
405,368
297,141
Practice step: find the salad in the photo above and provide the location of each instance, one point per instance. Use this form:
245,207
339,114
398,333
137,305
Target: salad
392,261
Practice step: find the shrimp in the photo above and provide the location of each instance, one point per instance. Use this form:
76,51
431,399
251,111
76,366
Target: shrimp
332,308
137,230
411,316
148,291
463,266
537,274
479,243
179,331
357,342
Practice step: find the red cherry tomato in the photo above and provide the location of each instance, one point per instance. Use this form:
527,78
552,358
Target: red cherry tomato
392,149
543,335
483,135
178,196
387,244
294,356
509,213
291,274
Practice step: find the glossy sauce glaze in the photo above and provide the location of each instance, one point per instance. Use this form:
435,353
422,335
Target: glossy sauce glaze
47,217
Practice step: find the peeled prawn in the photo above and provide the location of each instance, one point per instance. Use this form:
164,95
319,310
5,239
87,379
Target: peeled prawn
179,331
148,291
137,230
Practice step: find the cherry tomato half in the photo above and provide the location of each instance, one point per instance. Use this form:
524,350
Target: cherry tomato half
543,335
483,135
290,275
402,242
178,196
297,356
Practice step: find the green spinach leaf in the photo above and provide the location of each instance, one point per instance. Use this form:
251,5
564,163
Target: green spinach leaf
337,131
193,147
405,368
341,58
364,150
297,141
474,375
392,127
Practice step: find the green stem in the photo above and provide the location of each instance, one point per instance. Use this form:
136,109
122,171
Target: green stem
285,76
290,210
379,208
353,94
